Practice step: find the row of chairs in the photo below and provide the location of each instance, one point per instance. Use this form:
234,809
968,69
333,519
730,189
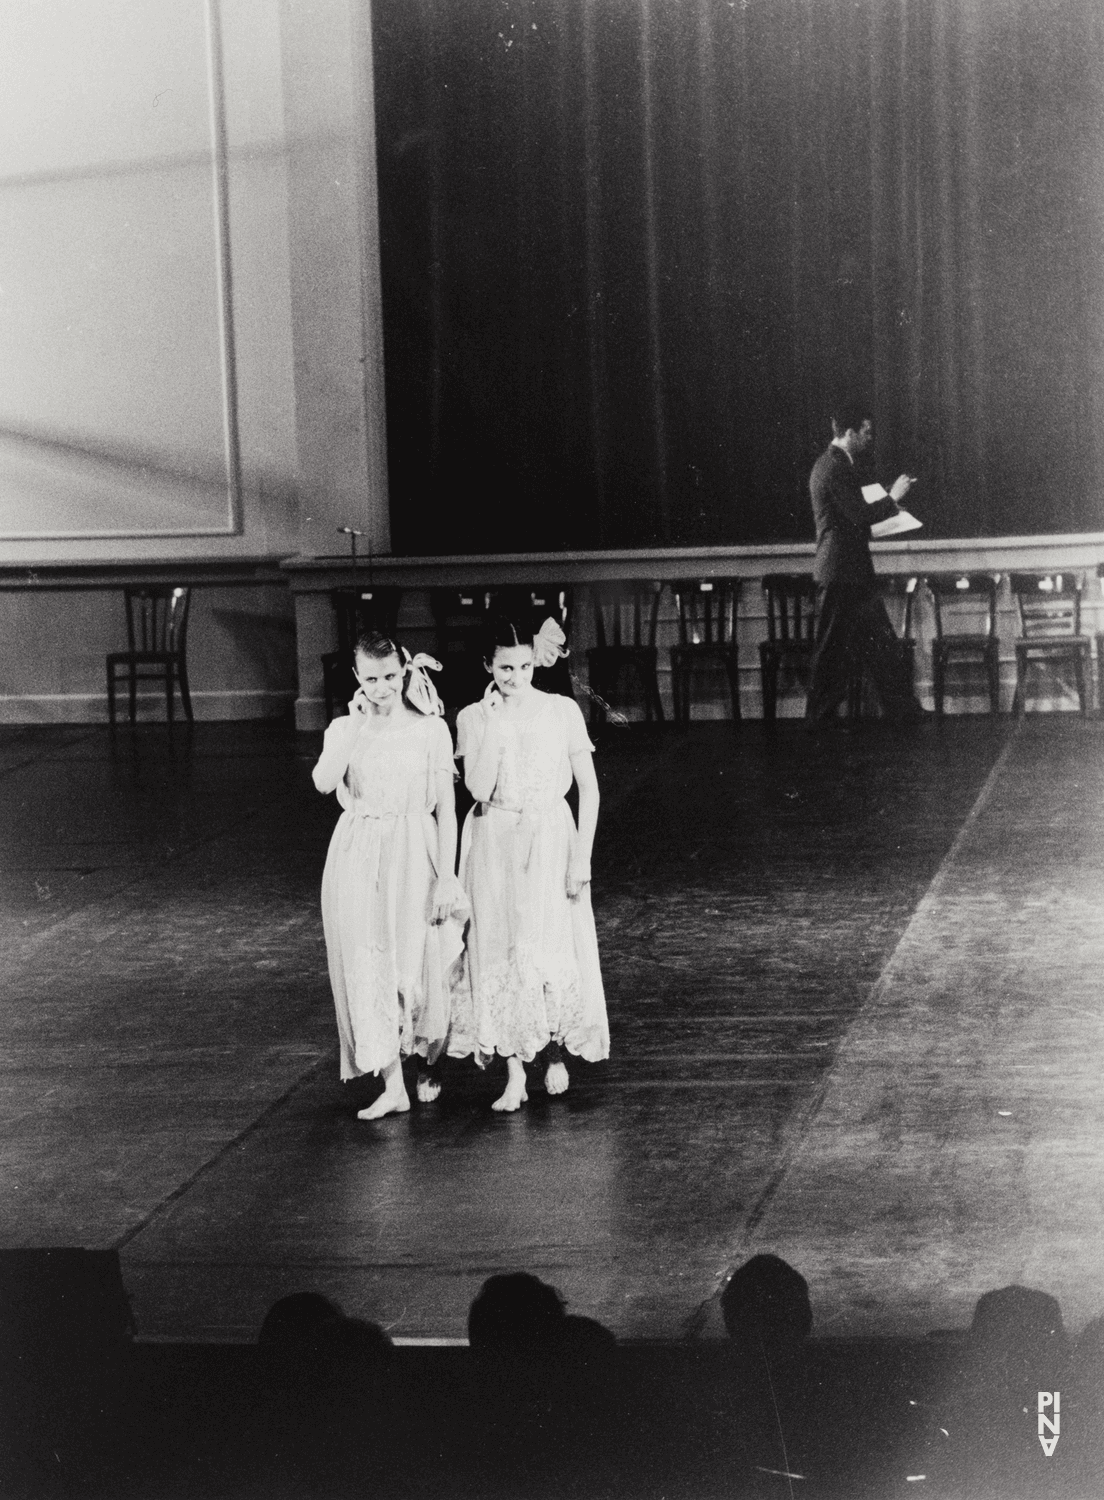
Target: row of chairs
626,619
1048,605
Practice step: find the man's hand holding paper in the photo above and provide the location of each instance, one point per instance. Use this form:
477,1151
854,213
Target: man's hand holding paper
903,520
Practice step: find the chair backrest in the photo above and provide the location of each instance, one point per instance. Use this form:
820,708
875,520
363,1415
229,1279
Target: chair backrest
626,614
364,611
791,608
1049,603
538,602
707,610
902,587
948,590
157,617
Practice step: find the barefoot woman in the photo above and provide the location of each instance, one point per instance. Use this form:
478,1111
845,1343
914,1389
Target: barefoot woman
391,906
536,986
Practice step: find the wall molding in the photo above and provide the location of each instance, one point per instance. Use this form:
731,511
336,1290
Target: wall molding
91,708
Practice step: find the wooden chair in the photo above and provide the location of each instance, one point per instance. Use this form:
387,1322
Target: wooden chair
1049,606
707,610
356,612
157,641
460,616
791,631
899,591
948,591
626,617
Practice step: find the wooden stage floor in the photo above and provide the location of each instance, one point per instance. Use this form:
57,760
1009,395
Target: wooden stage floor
854,990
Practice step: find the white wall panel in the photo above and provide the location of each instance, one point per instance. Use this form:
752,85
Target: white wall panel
117,402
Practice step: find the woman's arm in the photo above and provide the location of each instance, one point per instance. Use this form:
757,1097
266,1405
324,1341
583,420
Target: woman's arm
446,845
337,747
481,768
582,767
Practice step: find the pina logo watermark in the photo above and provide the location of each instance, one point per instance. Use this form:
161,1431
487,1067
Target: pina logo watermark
1049,1401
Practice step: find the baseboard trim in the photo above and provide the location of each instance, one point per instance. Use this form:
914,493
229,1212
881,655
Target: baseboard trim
91,708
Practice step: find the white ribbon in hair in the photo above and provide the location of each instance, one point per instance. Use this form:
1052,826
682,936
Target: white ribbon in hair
548,644
420,692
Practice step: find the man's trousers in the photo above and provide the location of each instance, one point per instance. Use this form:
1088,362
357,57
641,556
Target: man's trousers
853,635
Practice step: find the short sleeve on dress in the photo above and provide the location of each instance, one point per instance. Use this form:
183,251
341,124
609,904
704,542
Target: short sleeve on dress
577,737
469,730
440,747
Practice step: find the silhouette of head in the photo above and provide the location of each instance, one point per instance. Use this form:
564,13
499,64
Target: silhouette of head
585,1337
294,1323
766,1304
514,1311
355,1340
1018,1330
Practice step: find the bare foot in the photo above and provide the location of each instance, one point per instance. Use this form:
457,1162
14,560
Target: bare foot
556,1079
515,1095
513,1098
387,1104
428,1088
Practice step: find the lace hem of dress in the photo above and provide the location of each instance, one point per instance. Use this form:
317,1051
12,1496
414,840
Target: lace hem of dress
590,1046
518,1011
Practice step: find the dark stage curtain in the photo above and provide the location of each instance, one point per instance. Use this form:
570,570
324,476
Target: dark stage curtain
630,249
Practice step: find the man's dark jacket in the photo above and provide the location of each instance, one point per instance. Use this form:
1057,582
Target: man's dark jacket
843,521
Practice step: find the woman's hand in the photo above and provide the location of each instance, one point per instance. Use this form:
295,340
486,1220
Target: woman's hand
358,705
444,899
578,878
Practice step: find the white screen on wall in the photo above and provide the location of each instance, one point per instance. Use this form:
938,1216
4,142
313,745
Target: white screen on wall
116,397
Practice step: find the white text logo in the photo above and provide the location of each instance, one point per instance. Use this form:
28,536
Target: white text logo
1049,1401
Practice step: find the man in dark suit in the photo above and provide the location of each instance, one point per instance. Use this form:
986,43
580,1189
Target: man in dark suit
853,630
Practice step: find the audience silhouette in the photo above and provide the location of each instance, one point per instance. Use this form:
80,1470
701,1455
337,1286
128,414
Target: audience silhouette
548,1403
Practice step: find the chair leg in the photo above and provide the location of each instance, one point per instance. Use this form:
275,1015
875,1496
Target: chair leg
854,695
733,667
680,693
768,672
169,695
993,664
939,667
651,689
646,693
185,695
111,695
133,683
1079,674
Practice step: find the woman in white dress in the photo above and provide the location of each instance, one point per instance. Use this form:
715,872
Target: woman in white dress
536,984
392,908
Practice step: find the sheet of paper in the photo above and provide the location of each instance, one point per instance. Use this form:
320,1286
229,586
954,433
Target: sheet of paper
902,521
872,493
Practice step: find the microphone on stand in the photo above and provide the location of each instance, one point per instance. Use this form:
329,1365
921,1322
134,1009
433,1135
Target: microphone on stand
352,533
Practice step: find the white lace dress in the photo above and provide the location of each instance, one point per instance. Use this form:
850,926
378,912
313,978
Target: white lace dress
532,956
389,964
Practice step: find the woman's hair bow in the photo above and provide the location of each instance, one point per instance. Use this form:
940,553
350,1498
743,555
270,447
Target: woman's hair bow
420,692
548,644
